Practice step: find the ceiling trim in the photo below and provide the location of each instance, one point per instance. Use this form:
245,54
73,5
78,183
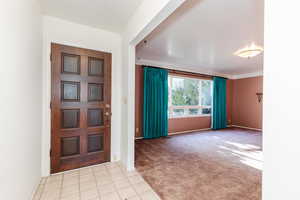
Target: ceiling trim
248,75
181,67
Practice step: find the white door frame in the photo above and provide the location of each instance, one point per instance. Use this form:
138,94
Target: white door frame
147,17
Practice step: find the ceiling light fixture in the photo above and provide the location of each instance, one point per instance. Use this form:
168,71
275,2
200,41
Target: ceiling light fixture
249,51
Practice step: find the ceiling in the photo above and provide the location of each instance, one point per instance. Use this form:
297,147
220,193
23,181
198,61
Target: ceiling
202,36
111,15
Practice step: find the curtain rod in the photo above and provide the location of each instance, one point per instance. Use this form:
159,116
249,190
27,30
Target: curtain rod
182,72
179,72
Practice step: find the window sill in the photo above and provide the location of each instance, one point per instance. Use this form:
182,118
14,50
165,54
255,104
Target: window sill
189,116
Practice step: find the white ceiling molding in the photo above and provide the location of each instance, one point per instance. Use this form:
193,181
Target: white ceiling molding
181,68
186,69
248,75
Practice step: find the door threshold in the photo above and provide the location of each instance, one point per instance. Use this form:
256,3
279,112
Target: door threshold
90,166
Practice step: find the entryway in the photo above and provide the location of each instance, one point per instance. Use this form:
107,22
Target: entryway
80,107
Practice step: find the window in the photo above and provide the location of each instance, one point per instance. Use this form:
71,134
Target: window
189,97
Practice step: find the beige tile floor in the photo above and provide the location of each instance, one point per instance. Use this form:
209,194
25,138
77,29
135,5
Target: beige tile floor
107,181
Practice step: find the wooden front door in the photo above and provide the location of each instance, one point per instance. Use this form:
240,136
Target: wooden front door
80,107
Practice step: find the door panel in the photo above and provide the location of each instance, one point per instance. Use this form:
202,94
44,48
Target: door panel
80,107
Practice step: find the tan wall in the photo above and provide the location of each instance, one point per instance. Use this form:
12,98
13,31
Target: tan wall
246,110
188,124
243,108
229,91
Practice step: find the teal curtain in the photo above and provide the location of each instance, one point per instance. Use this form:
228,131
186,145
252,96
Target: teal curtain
219,118
155,121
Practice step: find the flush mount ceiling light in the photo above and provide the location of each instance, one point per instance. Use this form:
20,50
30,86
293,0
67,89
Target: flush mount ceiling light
249,51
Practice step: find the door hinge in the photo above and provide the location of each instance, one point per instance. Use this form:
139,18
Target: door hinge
50,57
51,105
50,153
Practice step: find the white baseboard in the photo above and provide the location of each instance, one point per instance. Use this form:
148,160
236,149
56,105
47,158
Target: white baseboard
245,127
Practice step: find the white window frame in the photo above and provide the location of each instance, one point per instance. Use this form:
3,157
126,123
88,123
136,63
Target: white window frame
186,108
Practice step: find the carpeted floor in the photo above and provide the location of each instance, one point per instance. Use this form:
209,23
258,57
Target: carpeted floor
209,165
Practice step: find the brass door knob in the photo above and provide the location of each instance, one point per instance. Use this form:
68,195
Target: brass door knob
108,113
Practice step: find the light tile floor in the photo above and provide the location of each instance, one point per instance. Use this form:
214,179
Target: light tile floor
109,181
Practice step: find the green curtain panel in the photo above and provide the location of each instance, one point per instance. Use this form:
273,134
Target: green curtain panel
155,122
219,118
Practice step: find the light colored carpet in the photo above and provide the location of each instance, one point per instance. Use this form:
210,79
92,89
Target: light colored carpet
210,165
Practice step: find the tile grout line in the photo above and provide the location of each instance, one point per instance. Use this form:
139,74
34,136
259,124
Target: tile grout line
96,184
113,183
117,190
61,185
132,185
79,184
150,190
138,174
138,195
36,191
43,190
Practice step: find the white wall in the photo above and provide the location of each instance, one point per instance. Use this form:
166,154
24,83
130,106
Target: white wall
20,98
68,33
281,101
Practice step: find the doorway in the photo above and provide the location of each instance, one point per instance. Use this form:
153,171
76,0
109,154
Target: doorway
80,107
